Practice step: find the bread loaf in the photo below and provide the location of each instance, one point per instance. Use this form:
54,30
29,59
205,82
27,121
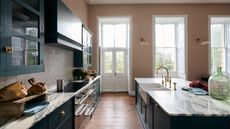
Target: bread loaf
37,88
13,92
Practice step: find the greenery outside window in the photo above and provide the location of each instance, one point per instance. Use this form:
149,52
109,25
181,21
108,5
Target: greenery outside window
220,44
169,44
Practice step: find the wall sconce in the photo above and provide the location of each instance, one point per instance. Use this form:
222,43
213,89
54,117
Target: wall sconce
143,42
202,42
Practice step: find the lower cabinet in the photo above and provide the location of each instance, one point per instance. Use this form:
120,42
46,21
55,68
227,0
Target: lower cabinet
60,118
162,120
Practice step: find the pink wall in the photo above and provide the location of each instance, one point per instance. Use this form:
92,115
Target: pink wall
197,59
80,8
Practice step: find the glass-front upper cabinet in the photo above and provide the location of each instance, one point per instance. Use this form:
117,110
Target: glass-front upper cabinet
25,36
1,38
87,48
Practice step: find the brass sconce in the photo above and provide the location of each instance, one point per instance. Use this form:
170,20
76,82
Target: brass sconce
143,42
202,42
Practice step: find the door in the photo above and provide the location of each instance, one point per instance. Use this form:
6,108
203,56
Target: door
114,41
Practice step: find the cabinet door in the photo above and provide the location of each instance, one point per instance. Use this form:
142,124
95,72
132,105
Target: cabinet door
42,124
160,118
1,34
25,36
98,88
62,115
87,49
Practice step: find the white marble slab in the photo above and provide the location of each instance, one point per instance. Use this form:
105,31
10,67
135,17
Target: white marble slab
55,100
184,103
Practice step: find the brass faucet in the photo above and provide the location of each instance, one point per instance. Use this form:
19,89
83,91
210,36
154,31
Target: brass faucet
167,79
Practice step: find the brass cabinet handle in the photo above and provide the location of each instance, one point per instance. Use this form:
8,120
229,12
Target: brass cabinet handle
62,113
8,49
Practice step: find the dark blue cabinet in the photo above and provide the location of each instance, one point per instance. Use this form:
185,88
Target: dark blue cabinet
84,58
60,118
62,27
1,35
22,37
163,120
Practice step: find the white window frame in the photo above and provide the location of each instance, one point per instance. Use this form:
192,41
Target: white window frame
172,73
226,40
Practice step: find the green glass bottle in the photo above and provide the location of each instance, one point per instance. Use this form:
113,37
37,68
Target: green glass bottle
218,85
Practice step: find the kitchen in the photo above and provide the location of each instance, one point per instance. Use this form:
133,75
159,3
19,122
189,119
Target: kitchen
58,60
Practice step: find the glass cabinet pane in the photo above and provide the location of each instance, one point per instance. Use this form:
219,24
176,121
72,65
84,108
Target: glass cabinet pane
25,52
24,21
33,3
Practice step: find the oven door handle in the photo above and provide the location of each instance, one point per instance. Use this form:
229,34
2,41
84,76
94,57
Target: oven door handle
81,110
83,99
89,112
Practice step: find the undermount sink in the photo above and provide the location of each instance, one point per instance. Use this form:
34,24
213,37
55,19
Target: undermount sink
145,87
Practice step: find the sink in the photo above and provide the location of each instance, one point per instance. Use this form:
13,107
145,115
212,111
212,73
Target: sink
145,87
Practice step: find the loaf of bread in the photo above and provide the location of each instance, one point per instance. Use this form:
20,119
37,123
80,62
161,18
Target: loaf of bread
13,91
37,88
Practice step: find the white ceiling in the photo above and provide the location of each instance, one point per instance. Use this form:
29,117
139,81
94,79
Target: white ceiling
156,1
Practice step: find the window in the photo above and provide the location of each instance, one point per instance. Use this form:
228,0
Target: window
169,44
220,44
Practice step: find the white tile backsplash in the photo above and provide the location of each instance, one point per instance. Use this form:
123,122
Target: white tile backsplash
58,65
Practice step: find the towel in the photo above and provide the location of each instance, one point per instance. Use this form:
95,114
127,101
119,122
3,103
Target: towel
33,108
197,91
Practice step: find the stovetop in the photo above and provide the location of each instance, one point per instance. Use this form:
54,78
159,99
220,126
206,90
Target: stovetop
74,87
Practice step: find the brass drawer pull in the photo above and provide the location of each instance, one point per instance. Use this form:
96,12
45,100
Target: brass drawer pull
8,49
62,113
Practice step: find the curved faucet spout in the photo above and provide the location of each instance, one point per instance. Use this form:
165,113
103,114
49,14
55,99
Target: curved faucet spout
167,71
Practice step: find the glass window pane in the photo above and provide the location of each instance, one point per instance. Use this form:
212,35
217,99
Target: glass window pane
181,60
166,57
120,35
108,63
165,35
120,62
217,35
25,52
181,36
228,35
108,35
24,21
218,58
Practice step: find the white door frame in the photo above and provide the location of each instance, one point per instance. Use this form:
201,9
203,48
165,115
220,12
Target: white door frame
129,62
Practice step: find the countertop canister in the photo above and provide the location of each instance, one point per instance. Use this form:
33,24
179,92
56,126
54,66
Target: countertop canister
218,85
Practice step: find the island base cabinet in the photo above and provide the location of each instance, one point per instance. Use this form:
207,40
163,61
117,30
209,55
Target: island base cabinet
200,122
162,120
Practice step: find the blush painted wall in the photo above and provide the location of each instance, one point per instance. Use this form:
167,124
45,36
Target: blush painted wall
79,8
197,56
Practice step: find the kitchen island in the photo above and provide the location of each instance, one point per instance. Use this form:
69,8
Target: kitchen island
179,109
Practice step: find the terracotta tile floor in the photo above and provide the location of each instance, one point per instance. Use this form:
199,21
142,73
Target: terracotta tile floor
115,111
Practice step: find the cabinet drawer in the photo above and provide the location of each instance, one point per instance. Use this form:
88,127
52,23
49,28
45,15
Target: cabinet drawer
58,116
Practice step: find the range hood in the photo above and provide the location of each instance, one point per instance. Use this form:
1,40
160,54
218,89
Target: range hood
62,27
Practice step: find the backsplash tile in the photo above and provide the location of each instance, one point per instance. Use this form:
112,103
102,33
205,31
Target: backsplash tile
58,65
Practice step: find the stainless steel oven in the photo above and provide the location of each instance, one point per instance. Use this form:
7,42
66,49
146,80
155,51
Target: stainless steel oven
83,107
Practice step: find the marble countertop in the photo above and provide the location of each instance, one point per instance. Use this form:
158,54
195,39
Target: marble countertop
55,99
183,103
